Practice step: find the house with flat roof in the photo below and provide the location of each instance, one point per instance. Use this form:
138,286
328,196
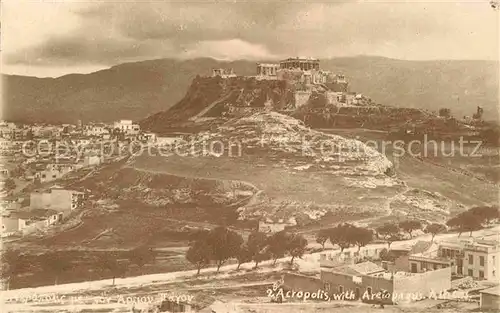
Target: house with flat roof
367,282
472,257
58,199
490,299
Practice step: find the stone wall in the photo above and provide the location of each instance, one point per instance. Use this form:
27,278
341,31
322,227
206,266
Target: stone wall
301,98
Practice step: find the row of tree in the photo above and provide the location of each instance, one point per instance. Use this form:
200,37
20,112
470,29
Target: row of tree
221,244
106,264
347,235
473,219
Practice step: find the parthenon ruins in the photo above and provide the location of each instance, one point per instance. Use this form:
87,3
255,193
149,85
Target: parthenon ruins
304,64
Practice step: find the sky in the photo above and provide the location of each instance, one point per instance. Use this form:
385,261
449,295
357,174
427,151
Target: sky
52,38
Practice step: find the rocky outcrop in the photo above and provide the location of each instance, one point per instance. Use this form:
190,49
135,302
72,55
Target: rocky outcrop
215,97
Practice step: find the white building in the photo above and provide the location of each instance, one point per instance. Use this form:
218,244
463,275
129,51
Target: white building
127,127
96,130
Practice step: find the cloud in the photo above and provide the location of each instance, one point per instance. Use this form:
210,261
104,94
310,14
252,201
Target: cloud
232,49
95,33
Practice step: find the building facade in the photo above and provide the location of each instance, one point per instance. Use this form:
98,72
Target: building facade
223,72
267,69
363,281
127,127
476,258
304,64
60,200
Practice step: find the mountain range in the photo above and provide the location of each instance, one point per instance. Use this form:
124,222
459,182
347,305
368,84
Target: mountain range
137,90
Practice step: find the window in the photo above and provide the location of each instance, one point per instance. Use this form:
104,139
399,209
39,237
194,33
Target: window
481,274
470,273
481,260
413,267
341,289
327,286
471,259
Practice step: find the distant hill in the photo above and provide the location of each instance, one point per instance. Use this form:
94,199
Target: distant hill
137,90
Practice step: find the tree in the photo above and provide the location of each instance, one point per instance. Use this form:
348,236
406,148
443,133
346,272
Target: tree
141,256
361,236
465,222
322,237
107,263
455,224
244,255
199,254
444,112
434,229
485,213
410,225
471,223
388,255
197,235
224,244
389,231
257,244
341,236
296,246
277,245
57,264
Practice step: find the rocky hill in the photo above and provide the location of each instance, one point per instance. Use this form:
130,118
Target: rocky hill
293,171
214,97
136,90
210,101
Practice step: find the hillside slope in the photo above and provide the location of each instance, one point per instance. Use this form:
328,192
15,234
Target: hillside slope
136,90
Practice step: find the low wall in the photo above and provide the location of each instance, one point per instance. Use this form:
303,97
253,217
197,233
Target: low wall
298,282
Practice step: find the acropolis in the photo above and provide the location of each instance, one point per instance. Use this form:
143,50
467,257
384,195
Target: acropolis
306,75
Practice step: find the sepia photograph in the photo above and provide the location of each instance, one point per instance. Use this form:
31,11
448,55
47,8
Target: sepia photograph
331,156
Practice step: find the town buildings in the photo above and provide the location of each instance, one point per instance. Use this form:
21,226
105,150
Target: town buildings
12,225
368,282
127,127
270,226
97,129
58,199
472,257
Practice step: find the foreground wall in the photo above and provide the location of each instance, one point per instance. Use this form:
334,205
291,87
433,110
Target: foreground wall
359,285
298,282
424,283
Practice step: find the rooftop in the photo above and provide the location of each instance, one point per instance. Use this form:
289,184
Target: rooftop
363,268
33,214
492,291
366,268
